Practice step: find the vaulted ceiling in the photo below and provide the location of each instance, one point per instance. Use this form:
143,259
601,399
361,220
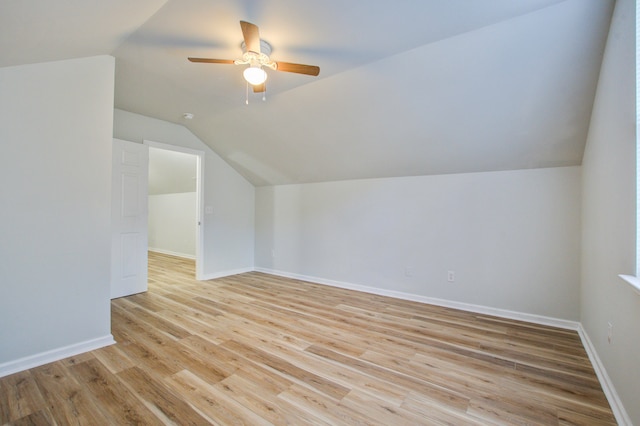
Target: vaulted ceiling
406,87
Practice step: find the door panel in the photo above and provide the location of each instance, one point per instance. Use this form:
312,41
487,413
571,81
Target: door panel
129,218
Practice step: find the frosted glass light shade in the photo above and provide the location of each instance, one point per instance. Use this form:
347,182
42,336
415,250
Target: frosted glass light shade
255,75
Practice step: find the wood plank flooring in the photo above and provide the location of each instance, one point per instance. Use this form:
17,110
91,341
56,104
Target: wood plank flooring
255,349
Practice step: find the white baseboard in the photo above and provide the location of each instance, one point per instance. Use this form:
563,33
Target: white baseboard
42,358
607,386
223,274
503,313
172,253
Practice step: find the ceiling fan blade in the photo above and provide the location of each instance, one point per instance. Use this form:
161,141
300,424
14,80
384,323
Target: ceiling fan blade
298,68
251,36
212,61
260,88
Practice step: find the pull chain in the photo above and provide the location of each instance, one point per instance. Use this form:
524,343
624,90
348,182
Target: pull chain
264,94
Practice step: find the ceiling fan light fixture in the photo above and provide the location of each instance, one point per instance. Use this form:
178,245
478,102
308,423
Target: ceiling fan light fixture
255,75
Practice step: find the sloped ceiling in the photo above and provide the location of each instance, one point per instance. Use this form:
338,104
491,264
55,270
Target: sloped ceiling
171,172
409,87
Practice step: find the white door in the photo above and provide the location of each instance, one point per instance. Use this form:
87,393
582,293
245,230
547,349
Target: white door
129,218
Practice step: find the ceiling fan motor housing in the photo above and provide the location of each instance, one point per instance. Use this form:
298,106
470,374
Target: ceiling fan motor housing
255,59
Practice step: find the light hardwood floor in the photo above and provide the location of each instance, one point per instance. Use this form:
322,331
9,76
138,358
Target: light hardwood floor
256,349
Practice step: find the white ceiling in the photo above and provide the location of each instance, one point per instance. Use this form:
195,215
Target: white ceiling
406,87
171,172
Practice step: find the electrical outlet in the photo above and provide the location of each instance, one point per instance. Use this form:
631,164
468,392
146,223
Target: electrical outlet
609,332
451,276
408,271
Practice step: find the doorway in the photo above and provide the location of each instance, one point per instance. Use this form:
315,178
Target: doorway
175,200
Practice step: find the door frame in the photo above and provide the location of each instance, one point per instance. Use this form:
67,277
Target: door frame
200,156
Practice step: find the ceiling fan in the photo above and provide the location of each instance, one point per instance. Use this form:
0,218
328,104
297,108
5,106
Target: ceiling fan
256,55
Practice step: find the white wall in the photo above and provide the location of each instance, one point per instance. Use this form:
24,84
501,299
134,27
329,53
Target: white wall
56,124
512,238
172,224
229,234
609,215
